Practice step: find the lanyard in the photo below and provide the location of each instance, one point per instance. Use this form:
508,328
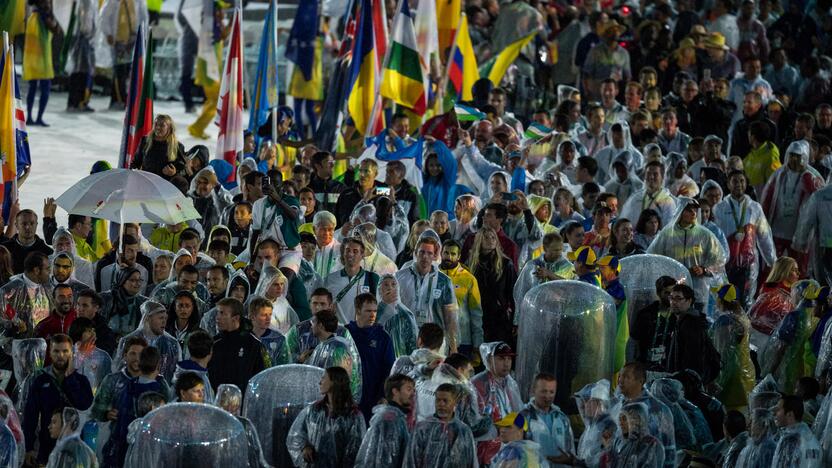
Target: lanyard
423,308
739,220
324,264
349,285
656,331
651,198
794,187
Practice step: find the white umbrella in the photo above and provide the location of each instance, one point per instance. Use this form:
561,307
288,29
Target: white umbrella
128,196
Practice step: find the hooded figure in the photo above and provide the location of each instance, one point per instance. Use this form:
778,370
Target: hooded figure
439,179
238,281
201,290
538,205
70,280
374,260
83,271
70,451
730,335
396,226
662,201
273,286
467,402
600,427
760,448
636,447
209,197
497,396
797,447
230,398
623,180
784,356
386,440
436,444
692,245
676,179
336,438
152,329
337,351
815,225
398,321
618,141
25,304
669,392
12,445
120,305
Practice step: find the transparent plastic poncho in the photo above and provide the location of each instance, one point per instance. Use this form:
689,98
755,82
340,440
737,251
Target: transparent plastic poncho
21,308
765,394
518,454
467,402
639,274
497,397
230,398
760,448
335,438
28,355
273,400
93,363
437,444
670,392
12,422
385,442
730,336
9,452
283,314
168,346
70,451
594,405
567,328
797,447
823,427
179,434
636,447
337,351
783,356
526,279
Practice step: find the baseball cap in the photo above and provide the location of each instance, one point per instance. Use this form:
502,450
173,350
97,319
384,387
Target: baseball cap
714,138
610,261
503,349
727,292
513,419
583,255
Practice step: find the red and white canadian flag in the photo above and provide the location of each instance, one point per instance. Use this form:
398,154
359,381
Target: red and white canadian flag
230,103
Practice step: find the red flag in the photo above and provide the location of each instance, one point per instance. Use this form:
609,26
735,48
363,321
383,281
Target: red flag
230,103
138,116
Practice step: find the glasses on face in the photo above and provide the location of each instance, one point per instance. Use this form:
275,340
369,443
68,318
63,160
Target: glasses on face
677,298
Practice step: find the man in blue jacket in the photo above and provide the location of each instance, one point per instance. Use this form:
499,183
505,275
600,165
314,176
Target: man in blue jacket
375,348
56,387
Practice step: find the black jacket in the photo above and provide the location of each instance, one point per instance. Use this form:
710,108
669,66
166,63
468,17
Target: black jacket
326,192
237,357
740,146
691,348
643,332
19,252
409,194
156,158
105,338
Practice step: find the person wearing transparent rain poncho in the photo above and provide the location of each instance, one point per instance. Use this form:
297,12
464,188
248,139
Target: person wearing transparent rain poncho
386,440
120,306
441,440
784,355
238,288
152,329
70,451
328,432
600,426
374,259
63,274
797,446
660,419
334,350
230,398
690,428
551,265
273,286
261,314
83,270
692,245
730,336
25,299
815,225
762,431
497,392
398,321
636,447
748,232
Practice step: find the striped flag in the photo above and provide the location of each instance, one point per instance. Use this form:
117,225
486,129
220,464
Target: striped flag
462,66
403,81
448,16
363,75
230,103
467,114
8,139
138,116
536,131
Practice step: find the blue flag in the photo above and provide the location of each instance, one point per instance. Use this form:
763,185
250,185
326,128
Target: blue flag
264,90
413,151
304,32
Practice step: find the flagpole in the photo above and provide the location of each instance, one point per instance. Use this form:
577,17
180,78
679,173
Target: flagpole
273,4
440,96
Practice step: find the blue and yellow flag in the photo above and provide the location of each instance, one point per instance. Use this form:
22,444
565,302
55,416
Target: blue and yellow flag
264,89
8,138
361,76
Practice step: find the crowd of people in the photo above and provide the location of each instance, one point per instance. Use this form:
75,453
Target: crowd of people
696,131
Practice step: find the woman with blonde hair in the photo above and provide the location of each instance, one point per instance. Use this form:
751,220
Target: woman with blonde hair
160,152
566,208
496,276
466,208
774,301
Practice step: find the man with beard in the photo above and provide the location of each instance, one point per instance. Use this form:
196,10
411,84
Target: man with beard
62,315
55,387
217,284
467,290
385,442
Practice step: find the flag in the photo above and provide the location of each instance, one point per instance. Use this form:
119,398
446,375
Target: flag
462,66
414,151
230,103
138,115
300,48
69,38
467,114
427,37
448,16
8,139
24,156
13,17
495,69
264,91
403,79
362,76
536,131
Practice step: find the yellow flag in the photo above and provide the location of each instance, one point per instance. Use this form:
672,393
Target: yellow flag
506,58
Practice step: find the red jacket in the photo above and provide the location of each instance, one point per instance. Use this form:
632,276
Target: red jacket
54,324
